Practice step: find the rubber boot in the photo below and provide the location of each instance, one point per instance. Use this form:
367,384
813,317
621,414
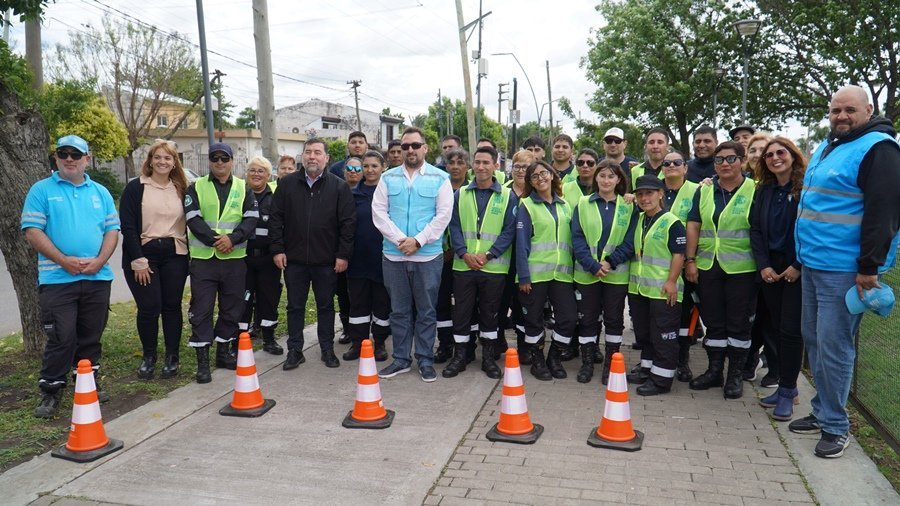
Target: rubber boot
586,372
488,362
203,374
148,364
554,359
224,358
458,362
170,368
683,369
784,406
713,376
610,348
538,363
269,344
734,381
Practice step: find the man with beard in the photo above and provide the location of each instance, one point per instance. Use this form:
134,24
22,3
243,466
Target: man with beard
561,153
701,166
656,146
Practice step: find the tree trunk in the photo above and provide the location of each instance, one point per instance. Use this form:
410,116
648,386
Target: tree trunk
129,165
23,161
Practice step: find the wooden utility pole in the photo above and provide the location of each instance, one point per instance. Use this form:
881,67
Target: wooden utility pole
467,79
355,84
266,111
33,52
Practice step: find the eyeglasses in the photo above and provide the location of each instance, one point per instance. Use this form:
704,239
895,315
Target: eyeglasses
519,166
351,168
719,160
414,145
582,163
669,163
256,171
74,155
770,154
544,174
612,140
219,158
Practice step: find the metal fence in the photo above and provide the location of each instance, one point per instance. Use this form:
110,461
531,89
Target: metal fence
876,379
195,162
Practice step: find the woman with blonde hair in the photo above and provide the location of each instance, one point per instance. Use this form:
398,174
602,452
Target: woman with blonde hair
155,253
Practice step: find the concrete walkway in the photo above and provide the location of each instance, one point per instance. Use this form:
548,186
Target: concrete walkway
698,449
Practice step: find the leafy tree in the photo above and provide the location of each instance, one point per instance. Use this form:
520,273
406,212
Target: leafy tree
246,118
138,70
452,114
337,150
24,9
72,107
223,112
590,135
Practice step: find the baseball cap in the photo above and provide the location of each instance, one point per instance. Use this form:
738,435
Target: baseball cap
648,182
221,146
879,300
73,141
735,130
614,132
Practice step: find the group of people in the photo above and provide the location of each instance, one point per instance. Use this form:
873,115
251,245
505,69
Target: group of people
764,245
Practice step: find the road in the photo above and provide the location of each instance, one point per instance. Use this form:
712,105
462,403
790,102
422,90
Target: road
9,306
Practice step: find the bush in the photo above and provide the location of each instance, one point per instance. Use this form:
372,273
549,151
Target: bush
106,177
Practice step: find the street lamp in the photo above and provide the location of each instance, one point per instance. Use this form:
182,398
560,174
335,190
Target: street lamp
747,29
720,72
527,80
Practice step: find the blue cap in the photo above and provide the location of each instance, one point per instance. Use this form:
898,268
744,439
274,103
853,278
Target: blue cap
73,141
221,146
879,300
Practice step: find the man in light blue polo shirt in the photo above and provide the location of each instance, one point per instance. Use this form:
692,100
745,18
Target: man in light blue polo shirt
72,223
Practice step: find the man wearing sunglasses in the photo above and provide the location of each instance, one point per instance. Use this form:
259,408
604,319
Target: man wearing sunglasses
72,223
614,145
221,213
411,208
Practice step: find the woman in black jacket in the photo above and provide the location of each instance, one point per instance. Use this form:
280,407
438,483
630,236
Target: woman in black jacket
780,170
155,253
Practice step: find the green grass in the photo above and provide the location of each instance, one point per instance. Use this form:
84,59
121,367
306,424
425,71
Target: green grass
23,436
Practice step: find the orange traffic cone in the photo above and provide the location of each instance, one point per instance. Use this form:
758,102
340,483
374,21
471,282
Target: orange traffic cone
615,431
368,411
87,437
515,425
248,399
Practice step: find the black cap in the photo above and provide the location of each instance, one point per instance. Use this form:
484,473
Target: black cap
648,182
735,130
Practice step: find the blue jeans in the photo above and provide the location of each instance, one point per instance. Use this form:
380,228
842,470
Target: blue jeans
828,330
413,287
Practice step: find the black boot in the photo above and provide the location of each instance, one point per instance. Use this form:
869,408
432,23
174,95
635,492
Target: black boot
270,345
734,382
655,386
444,352
170,368
683,369
569,351
610,348
49,404
522,348
713,376
586,372
345,324
538,363
598,355
554,359
638,376
381,353
500,345
224,358
488,362
458,362
203,374
148,364
471,346
353,352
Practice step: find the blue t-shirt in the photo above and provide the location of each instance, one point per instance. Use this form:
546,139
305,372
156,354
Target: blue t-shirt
75,218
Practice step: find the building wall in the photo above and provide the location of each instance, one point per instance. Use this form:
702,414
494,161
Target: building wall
307,117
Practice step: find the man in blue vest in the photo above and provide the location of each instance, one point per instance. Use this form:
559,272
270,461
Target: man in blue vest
846,236
411,208
221,214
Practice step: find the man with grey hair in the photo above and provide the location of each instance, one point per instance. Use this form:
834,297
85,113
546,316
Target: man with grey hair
847,223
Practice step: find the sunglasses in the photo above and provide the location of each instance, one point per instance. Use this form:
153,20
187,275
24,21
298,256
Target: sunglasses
612,140
669,163
582,163
541,175
74,155
770,154
719,160
219,158
411,145
351,168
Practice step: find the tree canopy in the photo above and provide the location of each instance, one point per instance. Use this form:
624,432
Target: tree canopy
72,107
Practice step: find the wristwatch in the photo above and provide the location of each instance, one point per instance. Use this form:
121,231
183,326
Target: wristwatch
489,255
688,260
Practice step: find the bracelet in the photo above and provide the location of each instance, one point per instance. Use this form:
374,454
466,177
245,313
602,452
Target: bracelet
688,260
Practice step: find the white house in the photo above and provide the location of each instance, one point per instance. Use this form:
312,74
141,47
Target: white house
317,118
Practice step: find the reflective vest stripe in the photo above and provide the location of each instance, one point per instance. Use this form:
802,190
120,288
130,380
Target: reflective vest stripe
482,239
221,221
729,240
649,270
842,219
592,226
550,257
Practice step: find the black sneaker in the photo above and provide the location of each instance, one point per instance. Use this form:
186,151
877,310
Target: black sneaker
427,373
770,380
831,446
293,360
805,425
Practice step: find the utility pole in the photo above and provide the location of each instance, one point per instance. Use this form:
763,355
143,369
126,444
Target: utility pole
480,74
33,52
264,80
204,65
500,98
218,80
355,84
467,79
441,119
514,116
7,20
549,100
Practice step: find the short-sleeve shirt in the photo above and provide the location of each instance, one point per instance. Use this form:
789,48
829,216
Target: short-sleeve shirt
75,218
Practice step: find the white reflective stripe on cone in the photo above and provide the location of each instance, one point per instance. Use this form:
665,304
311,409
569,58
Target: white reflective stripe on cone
617,383
367,367
245,358
84,383
85,413
513,405
359,320
617,411
246,384
513,377
368,393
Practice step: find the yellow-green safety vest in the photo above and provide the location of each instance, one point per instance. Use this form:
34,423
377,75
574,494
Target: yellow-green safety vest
481,240
729,242
649,269
684,200
638,171
592,226
221,223
572,192
499,175
550,257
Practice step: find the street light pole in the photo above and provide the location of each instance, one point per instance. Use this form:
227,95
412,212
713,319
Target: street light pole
746,28
715,105
527,79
